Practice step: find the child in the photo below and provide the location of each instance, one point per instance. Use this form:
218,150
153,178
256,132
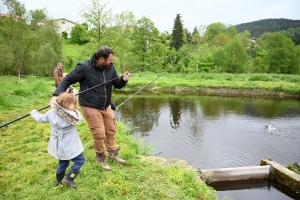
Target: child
64,143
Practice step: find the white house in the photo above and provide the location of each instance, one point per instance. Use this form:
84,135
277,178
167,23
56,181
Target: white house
65,25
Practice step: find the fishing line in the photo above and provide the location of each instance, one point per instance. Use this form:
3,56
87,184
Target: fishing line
6,124
147,85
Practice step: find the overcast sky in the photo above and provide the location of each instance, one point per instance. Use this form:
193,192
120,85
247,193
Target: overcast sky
194,12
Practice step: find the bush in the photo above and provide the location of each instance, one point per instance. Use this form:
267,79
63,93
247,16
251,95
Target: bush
64,34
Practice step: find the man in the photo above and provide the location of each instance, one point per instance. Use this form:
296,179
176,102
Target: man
58,74
70,89
99,73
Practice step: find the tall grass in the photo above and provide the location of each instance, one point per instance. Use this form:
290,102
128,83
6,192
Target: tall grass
27,171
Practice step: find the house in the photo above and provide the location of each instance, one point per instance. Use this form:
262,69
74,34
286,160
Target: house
17,17
64,25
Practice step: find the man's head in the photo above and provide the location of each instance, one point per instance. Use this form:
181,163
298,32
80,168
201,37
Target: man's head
59,65
105,57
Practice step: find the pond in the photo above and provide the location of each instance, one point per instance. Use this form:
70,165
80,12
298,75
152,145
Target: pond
218,132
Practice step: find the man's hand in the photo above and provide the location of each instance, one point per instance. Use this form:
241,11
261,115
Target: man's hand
53,100
126,76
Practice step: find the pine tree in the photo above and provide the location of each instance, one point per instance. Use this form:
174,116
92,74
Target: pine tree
177,33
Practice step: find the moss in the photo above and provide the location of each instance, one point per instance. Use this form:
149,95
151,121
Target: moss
294,167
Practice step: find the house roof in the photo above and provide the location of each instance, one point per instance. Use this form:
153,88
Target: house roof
8,15
63,19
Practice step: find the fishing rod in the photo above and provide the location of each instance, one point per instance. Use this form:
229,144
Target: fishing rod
143,67
6,124
147,85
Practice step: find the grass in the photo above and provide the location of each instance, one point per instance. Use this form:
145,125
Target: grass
71,49
261,83
27,171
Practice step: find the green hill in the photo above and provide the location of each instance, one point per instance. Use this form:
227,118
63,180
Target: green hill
288,27
257,28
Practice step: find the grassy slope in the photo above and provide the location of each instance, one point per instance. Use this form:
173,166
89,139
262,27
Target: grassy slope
71,49
27,171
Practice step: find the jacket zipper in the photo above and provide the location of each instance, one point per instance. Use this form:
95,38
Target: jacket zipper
105,91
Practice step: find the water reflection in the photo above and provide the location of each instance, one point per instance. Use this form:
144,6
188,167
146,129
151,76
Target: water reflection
212,132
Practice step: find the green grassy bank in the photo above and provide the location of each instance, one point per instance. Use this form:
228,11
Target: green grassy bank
27,171
277,85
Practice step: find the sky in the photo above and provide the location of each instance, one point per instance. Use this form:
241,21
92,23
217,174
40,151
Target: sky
194,13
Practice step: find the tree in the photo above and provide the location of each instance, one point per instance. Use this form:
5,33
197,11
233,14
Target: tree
177,33
165,38
37,18
258,66
195,37
16,34
280,52
195,43
213,30
48,50
297,60
203,59
244,37
187,36
145,37
14,8
79,34
218,34
219,58
123,25
37,15
22,44
236,57
98,17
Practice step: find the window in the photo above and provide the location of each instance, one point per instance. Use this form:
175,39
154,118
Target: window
67,28
63,22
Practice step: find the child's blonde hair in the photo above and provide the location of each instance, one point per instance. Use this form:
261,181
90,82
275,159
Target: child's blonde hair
65,99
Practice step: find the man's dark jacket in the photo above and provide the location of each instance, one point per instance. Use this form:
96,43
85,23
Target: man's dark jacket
89,75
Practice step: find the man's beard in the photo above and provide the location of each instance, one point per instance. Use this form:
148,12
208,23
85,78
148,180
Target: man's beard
104,65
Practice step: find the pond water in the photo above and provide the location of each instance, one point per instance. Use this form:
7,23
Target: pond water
218,132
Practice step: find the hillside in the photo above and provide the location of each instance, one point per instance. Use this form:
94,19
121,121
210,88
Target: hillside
257,28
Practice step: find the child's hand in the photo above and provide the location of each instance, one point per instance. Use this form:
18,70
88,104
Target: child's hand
33,111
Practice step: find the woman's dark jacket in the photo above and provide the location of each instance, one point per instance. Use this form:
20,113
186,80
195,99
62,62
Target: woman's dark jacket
89,75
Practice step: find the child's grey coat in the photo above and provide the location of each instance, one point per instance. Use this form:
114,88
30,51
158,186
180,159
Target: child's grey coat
64,142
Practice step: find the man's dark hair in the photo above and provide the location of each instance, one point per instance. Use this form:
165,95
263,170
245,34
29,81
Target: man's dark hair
104,51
